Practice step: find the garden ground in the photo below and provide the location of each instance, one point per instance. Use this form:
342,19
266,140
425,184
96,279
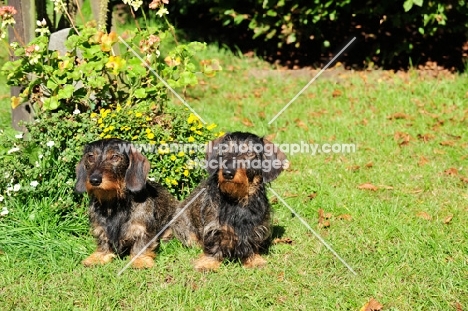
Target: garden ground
395,209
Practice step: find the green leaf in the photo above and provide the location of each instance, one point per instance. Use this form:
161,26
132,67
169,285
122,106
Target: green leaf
51,85
140,93
66,92
408,5
51,103
418,2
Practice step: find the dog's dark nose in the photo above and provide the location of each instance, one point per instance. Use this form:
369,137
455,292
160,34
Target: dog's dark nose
229,173
95,180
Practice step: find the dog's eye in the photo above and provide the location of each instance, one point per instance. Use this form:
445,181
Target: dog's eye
91,158
115,157
250,154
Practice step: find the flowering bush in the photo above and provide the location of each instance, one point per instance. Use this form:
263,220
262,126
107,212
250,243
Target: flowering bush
104,86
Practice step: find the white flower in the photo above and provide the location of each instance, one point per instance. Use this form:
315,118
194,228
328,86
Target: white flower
1,198
34,183
151,178
41,156
41,23
36,164
76,111
19,136
4,211
162,10
16,187
50,143
13,150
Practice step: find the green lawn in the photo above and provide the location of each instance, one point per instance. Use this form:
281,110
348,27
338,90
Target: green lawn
411,138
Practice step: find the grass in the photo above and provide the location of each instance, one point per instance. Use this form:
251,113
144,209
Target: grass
409,129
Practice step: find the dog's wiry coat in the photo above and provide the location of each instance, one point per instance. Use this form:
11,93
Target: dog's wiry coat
232,217
126,211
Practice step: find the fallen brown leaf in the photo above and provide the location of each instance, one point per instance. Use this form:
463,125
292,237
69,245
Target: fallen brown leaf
425,137
320,215
368,186
312,196
347,217
403,139
270,137
451,171
282,241
354,168
449,143
336,93
464,179
398,115
448,219
423,161
261,114
458,306
247,122
369,165
328,215
372,305
424,215
301,124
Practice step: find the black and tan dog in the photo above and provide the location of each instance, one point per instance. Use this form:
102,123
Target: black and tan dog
231,217
126,211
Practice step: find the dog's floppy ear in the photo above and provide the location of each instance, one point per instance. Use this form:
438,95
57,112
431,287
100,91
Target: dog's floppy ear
211,155
81,176
137,171
275,159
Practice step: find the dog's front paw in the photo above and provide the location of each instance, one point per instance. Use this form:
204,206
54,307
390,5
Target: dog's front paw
98,258
254,261
207,263
144,261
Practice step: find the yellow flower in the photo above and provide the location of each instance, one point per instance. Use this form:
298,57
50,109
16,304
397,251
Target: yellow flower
106,130
107,136
138,114
191,139
186,173
181,154
174,182
99,120
192,118
193,128
167,180
118,108
148,119
211,126
101,135
160,151
220,134
134,137
150,135
116,63
162,142
152,142
148,131
93,115
173,158
200,126
199,132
